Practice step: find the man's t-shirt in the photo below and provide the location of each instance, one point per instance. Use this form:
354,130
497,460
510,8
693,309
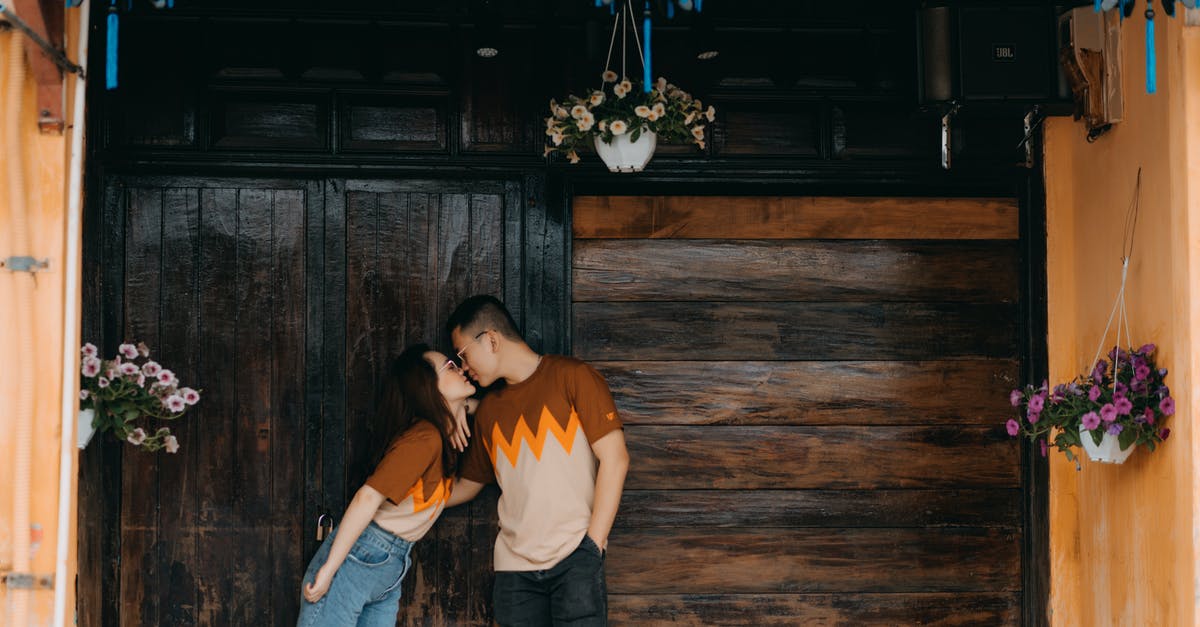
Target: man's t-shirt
410,476
534,439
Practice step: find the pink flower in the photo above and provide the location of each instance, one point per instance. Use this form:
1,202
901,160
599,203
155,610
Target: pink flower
174,403
91,367
141,380
1148,416
1146,349
83,395
171,444
1123,405
128,351
151,369
102,382
1090,420
89,350
143,349
136,437
1015,397
1094,393
1164,433
128,369
1013,427
1042,445
1142,372
190,396
1167,406
1108,412
166,378
1037,402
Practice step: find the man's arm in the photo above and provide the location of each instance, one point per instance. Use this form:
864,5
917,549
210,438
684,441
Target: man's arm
610,481
464,490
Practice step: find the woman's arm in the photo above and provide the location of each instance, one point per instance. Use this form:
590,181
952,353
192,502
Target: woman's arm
358,515
464,490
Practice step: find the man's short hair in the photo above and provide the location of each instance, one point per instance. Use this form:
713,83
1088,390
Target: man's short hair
480,313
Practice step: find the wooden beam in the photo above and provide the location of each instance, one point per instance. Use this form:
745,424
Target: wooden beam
45,17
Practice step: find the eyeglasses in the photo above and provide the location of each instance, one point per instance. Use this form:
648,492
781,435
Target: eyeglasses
449,365
462,351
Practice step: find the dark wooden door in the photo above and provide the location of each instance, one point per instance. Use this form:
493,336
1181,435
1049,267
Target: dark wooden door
813,390
281,300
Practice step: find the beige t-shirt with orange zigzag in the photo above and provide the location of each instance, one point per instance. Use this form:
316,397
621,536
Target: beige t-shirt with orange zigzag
410,476
534,439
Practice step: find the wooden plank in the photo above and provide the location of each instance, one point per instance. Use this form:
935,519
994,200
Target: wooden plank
752,458
794,217
720,560
936,609
335,335
811,392
363,338
1000,508
773,270
176,349
287,417
785,331
314,391
140,574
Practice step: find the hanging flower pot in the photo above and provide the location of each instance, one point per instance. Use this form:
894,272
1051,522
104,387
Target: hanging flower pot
85,429
624,154
1108,451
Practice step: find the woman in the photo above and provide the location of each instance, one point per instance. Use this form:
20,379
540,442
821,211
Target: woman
420,427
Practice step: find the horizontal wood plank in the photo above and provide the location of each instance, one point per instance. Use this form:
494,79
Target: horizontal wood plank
720,560
751,458
812,331
1000,508
787,610
779,217
763,270
812,392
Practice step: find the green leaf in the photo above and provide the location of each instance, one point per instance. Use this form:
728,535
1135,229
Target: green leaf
1097,436
633,137
1127,438
130,415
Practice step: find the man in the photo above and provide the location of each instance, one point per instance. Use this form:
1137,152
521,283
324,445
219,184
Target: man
552,439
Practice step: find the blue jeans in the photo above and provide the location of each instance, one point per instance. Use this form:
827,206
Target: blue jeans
572,592
366,590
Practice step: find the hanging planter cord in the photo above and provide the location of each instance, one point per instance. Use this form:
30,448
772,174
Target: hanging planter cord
623,21
1126,253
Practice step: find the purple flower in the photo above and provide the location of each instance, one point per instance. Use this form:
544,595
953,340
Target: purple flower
1138,387
1033,416
1042,445
1164,391
1120,389
1108,412
1162,435
1060,394
1094,393
1115,429
1123,405
1015,398
1146,349
1149,416
1090,420
1167,406
1037,402
1162,372
1075,389
1141,372
1013,427
1099,370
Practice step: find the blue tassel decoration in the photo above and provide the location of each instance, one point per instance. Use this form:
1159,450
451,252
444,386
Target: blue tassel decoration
698,5
671,9
1098,9
110,65
646,42
1121,10
1151,78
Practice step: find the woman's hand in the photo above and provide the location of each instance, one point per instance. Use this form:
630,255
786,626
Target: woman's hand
320,585
462,429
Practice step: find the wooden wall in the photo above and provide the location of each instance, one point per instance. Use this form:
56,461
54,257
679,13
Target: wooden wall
809,391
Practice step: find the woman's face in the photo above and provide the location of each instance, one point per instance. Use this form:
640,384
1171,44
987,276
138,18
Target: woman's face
452,383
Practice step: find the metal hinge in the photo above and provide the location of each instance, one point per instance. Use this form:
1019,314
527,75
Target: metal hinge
27,581
24,264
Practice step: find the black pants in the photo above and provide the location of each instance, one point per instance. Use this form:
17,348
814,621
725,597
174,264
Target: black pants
571,593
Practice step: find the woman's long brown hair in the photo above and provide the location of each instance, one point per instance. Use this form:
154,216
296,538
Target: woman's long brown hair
409,393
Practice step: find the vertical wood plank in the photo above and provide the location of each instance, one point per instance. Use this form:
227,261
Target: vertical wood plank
334,333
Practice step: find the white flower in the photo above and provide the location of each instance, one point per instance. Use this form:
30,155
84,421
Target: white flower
618,127
711,113
698,132
586,122
136,437
190,396
88,350
661,85
609,76
151,369
653,116
547,150
626,85
659,108
167,378
578,110
553,106
560,113
620,90
102,382
597,97
557,138
128,369
550,122
603,126
175,403
129,351
700,143
171,444
83,395
573,157
91,367
642,111
690,116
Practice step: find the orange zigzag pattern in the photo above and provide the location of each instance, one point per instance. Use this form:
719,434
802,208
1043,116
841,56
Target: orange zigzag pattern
441,492
547,425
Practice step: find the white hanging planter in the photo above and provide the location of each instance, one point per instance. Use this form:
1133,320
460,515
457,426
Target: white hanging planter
623,155
84,431
1108,451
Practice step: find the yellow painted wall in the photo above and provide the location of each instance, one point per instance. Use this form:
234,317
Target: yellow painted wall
1122,546
45,157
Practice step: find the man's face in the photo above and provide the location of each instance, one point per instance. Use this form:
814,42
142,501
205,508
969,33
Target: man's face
476,354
